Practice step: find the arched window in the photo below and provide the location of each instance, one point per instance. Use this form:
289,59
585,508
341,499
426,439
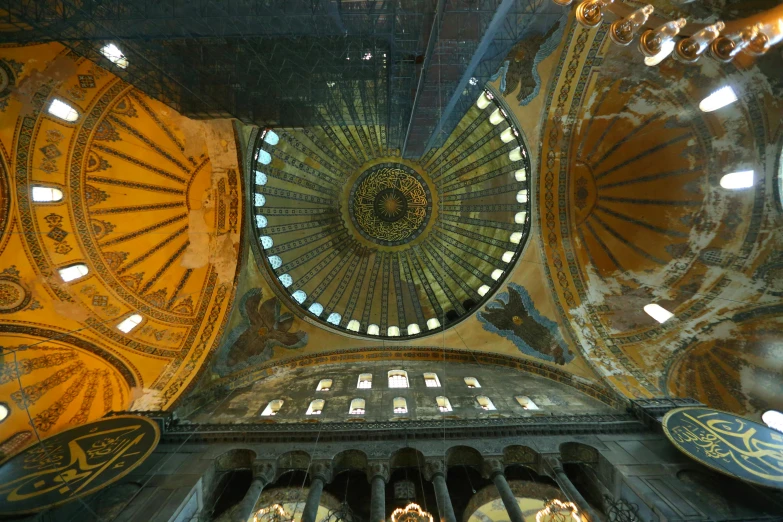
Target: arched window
496,274
357,407
271,137
267,242
522,196
520,175
483,101
773,419
299,296
737,180
497,116
129,323
261,221
365,381
261,178
353,325
259,200
398,379
275,262
443,404
316,407
516,237
431,380
658,312
472,382
508,135
63,111
526,403
393,331
334,318
519,219
73,272
272,408
373,329
485,403
46,194
482,291
286,280
413,329
4,411
508,256
115,56
718,99
433,323
516,154
263,157
400,405
324,385
316,309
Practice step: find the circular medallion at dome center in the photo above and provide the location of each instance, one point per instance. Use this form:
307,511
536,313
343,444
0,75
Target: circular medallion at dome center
390,204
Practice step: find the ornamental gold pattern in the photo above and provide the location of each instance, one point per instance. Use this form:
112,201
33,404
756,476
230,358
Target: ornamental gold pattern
390,204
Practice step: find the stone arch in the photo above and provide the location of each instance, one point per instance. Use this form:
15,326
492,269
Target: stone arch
349,460
579,453
520,455
407,457
296,459
227,480
464,456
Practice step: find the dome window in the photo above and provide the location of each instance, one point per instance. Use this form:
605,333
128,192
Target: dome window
444,405
316,309
4,411
433,323
735,180
62,110
261,178
299,296
526,403
773,419
263,157
658,312
259,200
73,272
334,318
129,323
520,218
508,135
484,100
508,256
365,381
520,175
46,194
373,329
483,290
324,385
431,380
497,117
400,405
516,154
114,55
718,99
286,280
271,137
472,382
357,407
353,325
413,329
485,403
261,221
398,379
497,274
267,242
393,331
275,262
316,407
522,196
516,237
272,408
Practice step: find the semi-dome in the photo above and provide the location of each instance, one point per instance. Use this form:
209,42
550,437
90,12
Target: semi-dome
373,244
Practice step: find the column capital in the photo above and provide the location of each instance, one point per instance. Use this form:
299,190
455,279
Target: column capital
553,463
321,469
493,466
434,467
378,469
264,471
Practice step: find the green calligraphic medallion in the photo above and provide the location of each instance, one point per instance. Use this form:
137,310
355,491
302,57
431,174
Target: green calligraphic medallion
728,444
75,463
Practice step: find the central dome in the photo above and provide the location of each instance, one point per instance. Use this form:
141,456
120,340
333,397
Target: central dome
364,241
390,204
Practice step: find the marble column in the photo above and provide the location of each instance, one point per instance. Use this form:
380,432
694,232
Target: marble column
494,469
570,491
378,475
435,471
320,474
263,475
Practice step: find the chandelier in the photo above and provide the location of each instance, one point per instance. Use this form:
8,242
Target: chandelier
558,511
410,513
273,513
342,514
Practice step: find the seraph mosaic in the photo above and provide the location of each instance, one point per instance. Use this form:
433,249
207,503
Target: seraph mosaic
265,327
514,316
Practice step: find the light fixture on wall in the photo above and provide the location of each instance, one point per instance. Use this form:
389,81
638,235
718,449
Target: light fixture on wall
690,49
726,47
590,13
652,41
622,31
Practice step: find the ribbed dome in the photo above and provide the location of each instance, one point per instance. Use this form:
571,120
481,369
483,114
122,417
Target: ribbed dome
365,241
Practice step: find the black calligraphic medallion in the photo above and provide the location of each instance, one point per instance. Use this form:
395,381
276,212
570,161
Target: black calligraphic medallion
75,463
729,444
